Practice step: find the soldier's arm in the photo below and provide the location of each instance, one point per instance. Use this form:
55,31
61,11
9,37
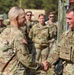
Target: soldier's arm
53,57
53,31
54,54
24,57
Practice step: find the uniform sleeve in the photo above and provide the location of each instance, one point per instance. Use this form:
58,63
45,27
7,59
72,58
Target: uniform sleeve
53,57
54,54
53,31
24,57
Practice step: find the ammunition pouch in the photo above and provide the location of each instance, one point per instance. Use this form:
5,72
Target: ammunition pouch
67,53
58,67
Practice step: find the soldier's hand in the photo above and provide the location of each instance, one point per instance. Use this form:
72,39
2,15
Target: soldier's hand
46,65
24,41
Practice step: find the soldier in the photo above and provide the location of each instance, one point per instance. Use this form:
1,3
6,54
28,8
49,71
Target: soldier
51,18
53,30
29,23
2,26
39,34
14,54
66,46
53,35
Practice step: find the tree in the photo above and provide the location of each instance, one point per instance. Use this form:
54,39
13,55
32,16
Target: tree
47,5
5,5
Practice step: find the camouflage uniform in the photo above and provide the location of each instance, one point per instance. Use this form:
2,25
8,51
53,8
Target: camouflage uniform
52,41
2,28
29,26
14,54
65,52
6,22
53,37
40,36
23,30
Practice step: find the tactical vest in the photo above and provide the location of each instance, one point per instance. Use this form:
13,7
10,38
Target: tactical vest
67,47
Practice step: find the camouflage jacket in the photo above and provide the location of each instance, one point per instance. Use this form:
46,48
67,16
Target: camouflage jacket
40,34
53,30
65,48
2,28
14,51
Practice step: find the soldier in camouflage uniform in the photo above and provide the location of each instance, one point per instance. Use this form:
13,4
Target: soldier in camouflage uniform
53,35
39,34
29,23
2,26
14,54
66,46
51,18
53,30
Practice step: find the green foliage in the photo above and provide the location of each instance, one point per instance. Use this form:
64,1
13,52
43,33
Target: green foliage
48,5
5,5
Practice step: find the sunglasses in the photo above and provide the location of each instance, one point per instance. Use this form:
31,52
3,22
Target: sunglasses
51,16
29,15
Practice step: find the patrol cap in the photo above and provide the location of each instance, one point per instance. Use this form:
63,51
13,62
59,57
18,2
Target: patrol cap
1,17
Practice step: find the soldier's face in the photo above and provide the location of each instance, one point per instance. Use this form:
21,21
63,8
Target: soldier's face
41,19
28,16
70,19
51,17
21,18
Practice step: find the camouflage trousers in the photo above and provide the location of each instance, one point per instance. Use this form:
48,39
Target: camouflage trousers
52,50
53,46
40,56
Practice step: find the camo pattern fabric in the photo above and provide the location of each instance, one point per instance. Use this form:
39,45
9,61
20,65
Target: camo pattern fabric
2,28
67,43
40,36
52,43
14,53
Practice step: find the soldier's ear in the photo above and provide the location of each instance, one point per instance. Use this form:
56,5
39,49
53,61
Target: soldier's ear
17,18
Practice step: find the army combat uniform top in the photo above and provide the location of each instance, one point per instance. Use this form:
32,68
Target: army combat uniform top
52,41
65,52
40,36
13,52
2,28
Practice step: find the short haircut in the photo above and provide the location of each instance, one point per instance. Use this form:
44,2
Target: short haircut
28,12
52,12
41,15
14,12
70,10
